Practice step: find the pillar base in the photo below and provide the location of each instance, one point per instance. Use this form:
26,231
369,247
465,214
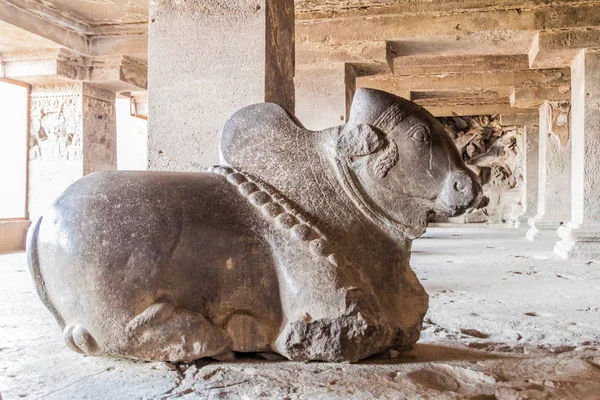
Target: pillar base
541,229
521,220
579,242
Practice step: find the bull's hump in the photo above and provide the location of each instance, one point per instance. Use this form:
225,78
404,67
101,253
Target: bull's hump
253,136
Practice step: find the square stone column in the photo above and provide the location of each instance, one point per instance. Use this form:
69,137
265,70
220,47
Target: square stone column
72,132
580,237
208,59
529,200
99,125
554,174
321,95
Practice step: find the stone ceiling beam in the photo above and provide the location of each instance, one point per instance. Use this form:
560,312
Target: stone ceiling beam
43,27
535,96
558,48
480,43
355,71
460,93
97,40
433,64
398,26
323,54
459,96
465,80
44,10
466,109
134,44
319,9
530,117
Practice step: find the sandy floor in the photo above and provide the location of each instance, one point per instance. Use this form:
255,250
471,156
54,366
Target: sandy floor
507,320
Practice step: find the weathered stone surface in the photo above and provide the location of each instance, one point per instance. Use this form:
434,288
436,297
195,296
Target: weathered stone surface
196,85
301,247
435,64
100,129
558,48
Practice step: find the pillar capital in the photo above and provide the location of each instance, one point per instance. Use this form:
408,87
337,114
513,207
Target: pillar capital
115,73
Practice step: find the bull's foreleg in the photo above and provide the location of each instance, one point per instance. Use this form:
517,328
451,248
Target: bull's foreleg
332,313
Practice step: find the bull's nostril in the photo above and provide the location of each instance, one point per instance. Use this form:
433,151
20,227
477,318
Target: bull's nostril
459,185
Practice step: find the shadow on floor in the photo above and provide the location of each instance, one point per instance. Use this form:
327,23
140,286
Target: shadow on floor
423,353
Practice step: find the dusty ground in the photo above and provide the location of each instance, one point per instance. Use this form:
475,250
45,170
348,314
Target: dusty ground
507,320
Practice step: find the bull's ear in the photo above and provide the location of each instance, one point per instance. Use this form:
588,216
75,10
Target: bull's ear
359,141
387,160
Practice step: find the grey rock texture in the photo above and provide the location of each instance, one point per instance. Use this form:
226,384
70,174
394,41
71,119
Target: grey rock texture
301,247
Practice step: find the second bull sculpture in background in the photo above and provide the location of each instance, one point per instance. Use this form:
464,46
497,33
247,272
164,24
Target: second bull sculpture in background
299,245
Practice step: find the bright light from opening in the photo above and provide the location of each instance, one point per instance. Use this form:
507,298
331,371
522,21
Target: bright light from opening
132,138
13,150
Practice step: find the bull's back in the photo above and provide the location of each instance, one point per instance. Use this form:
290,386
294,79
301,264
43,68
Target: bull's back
114,243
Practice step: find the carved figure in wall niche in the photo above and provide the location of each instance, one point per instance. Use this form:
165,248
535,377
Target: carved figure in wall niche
494,154
299,244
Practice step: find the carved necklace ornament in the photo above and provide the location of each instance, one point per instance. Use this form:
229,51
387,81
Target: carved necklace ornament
277,208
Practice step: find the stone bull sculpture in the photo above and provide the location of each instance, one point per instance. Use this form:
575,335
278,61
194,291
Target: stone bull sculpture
300,246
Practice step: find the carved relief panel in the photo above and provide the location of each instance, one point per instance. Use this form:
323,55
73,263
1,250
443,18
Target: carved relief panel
495,153
100,127
55,123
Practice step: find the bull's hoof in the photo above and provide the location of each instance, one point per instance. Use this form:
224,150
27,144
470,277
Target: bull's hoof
79,339
349,338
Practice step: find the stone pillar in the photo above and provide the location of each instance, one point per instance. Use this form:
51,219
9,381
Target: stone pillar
99,140
580,238
72,133
554,171
529,200
320,95
207,59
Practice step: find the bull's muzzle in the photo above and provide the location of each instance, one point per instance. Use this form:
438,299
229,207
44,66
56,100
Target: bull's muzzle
461,191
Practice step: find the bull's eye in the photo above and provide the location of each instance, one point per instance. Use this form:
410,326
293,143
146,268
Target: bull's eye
420,134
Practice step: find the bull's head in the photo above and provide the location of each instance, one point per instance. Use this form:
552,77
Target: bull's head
402,162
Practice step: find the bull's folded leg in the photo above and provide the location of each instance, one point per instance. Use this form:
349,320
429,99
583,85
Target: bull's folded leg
329,317
164,332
